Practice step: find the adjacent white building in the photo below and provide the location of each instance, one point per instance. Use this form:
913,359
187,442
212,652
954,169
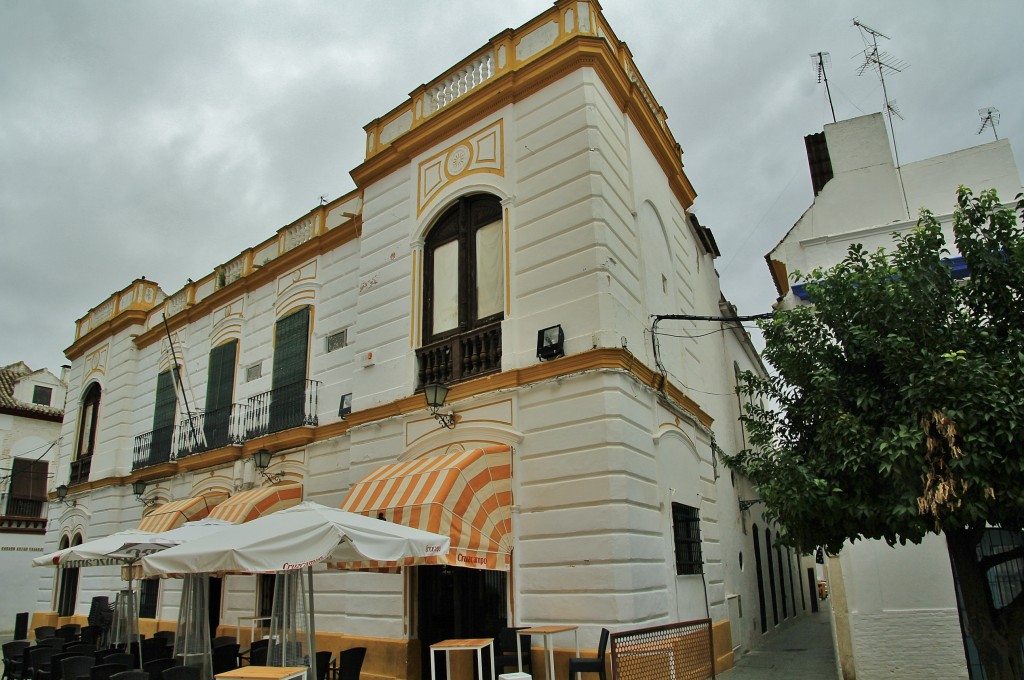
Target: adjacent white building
516,223
31,411
900,602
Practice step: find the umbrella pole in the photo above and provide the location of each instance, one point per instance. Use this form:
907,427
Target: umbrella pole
312,626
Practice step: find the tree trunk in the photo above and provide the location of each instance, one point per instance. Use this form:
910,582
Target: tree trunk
999,647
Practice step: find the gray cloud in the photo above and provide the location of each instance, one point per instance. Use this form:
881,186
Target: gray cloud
161,139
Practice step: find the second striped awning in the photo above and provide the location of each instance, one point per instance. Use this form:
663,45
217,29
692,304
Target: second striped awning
175,513
248,505
465,495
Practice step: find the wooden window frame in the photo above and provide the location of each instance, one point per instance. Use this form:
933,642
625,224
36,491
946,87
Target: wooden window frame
459,223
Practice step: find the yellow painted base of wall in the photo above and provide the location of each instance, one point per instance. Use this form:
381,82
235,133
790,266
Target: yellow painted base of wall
721,637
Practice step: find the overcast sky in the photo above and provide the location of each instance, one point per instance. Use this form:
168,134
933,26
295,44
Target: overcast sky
160,139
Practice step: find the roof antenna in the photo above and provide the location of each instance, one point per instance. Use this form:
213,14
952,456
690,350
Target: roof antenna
820,61
989,118
883,62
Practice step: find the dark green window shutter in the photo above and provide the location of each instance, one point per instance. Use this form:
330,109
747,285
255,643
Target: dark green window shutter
288,381
163,419
291,345
220,387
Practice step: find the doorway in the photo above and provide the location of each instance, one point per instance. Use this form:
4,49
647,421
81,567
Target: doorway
216,588
456,602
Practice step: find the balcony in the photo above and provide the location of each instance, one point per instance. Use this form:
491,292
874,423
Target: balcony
289,406
211,430
461,357
80,470
153,447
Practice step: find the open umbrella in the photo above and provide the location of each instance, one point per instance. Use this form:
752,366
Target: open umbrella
296,538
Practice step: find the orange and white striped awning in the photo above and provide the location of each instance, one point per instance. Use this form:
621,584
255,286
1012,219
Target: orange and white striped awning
248,505
175,513
465,495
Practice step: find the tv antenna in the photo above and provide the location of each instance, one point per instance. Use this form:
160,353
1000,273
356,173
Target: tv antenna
820,61
884,63
989,118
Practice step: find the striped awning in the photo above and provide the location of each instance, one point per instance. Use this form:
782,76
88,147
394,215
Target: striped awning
175,513
465,495
248,505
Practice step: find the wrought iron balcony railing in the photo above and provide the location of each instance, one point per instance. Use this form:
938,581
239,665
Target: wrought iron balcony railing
461,357
153,447
22,507
289,406
211,430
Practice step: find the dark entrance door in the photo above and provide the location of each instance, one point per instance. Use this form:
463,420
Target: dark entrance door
214,604
455,602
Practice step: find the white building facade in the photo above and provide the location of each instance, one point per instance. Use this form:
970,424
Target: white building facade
900,602
534,186
31,411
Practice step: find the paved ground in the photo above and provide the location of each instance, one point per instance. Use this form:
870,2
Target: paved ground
803,651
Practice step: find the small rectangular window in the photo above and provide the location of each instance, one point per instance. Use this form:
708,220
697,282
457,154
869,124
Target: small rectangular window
42,395
346,405
253,372
686,535
337,340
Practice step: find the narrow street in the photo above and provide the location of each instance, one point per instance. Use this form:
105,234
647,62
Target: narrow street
802,651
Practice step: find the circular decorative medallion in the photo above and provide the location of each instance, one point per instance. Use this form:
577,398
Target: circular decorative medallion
458,159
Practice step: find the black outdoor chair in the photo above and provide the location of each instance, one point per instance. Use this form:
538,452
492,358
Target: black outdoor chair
166,635
156,667
225,658
14,652
350,662
43,632
21,626
77,667
581,665
90,635
69,632
102,654
130,675
104,671
155,648
54,670
323,664
81,648
507,655
25,668
246,654
223,640
123,658
182,673
39,660
55,643
258,655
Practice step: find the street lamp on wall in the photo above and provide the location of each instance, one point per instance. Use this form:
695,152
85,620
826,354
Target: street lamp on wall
261,461
139,489
62,496
747,504
435,394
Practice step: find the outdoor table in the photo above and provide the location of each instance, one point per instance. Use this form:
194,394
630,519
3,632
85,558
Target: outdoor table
448,646
549,648
264,673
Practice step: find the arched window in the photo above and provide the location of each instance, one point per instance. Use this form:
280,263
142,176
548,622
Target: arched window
463,291
88,418
67,593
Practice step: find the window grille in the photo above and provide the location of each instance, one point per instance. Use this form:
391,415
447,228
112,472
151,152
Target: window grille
337,340
149,589
254,372
686,533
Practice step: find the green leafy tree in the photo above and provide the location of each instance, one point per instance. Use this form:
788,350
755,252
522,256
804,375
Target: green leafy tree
897,406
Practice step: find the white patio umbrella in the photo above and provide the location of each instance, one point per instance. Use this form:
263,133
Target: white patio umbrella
296,538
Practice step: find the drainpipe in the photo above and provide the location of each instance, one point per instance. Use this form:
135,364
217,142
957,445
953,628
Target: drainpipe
841,619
